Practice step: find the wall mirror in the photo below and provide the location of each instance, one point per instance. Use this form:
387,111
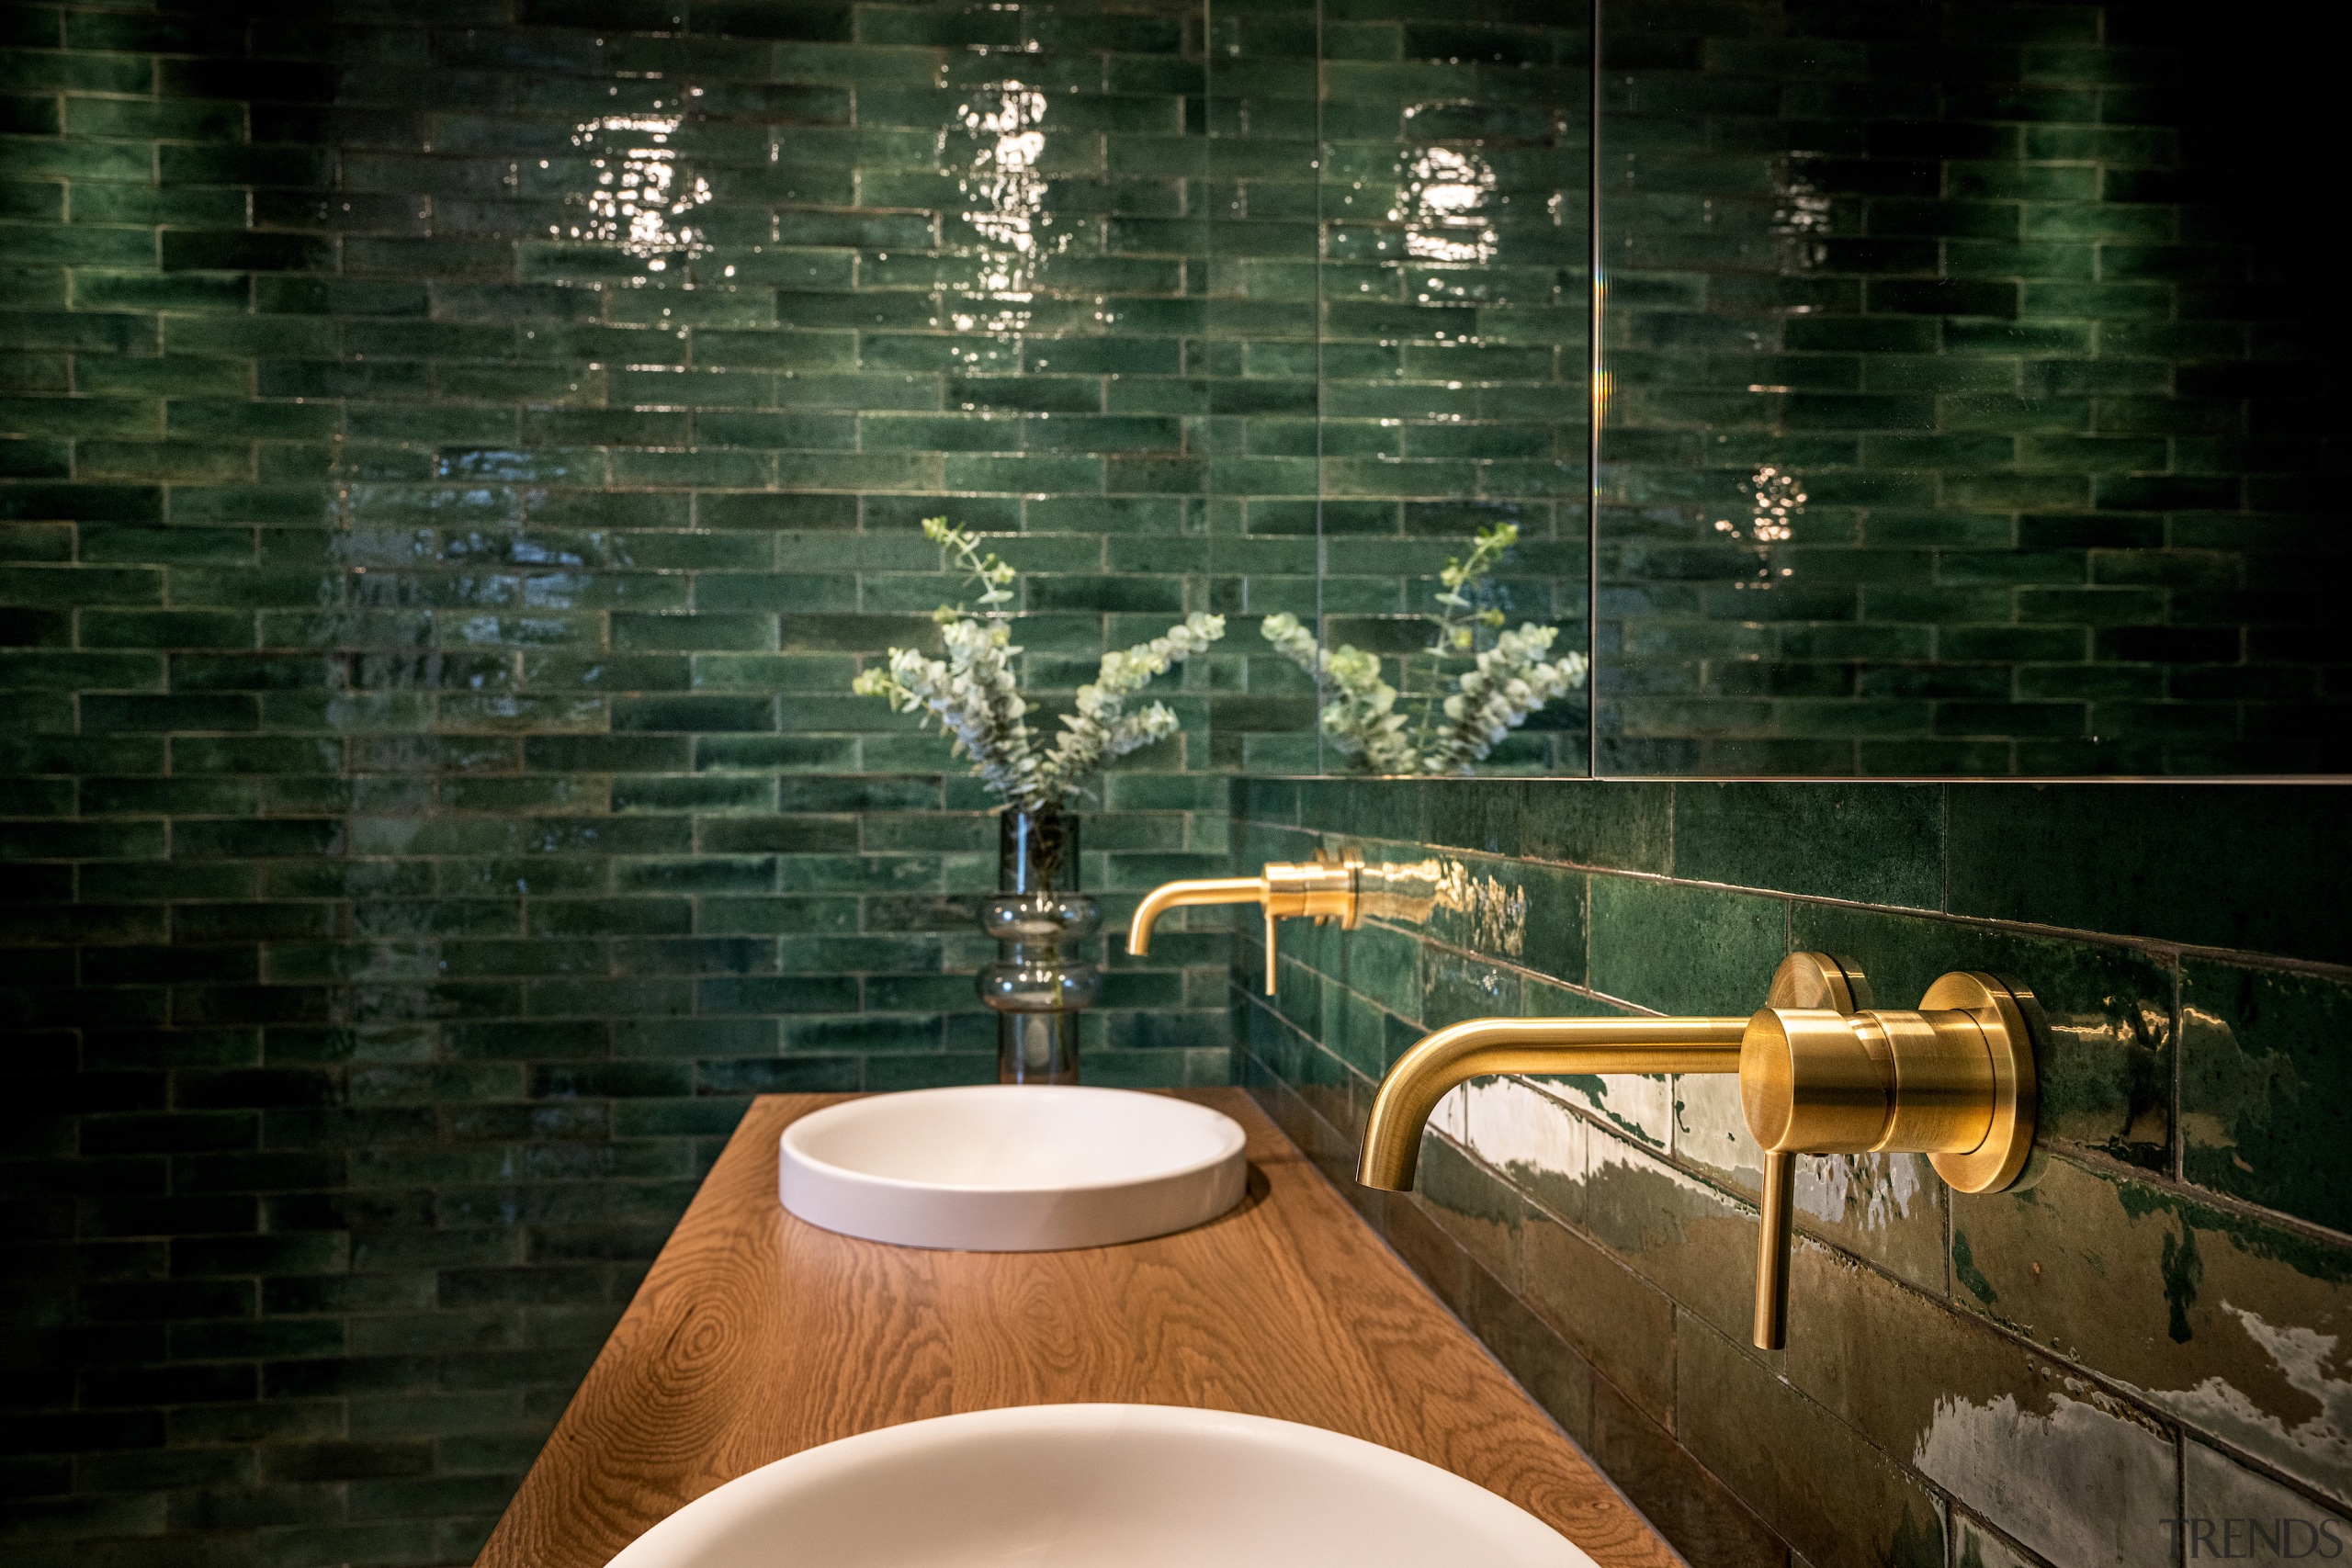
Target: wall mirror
1961,400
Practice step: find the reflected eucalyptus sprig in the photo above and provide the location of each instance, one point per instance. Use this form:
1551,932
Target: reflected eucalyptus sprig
973,695
1505,680
994,578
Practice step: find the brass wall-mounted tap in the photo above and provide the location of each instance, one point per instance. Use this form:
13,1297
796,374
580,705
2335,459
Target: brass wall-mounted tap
1820,1072
1323,889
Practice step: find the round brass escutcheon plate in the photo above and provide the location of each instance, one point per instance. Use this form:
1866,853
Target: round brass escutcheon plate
2007,1014
1819,981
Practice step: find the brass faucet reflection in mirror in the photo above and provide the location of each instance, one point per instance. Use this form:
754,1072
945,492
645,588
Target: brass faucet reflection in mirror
1322,889
1820,1072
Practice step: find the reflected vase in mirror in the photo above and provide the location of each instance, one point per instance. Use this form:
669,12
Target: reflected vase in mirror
1036,989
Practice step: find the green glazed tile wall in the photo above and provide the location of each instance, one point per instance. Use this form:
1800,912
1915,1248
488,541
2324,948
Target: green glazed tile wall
1973,398
453,455
457,454
2147,1331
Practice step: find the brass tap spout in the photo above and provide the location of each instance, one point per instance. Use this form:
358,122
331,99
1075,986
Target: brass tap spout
1176,895
1392,1138
1322,889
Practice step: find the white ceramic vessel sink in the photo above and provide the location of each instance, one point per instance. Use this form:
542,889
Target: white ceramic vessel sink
1011,1167
1099,1486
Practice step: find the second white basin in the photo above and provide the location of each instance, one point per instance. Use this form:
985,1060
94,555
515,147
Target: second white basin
1099,1486
1011,1167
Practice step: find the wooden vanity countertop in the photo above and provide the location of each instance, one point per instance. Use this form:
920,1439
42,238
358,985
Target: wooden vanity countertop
756,1336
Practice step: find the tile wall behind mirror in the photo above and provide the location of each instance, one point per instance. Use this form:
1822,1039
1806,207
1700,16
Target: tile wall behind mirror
1969,400
1455,159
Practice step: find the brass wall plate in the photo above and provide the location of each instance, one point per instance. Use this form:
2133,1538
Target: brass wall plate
2010,1017
1819,980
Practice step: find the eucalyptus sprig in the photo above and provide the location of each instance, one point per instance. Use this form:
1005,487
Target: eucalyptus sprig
1505,680
974,696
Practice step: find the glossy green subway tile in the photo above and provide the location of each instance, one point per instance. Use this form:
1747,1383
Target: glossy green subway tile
1684,950
1875,844
700,793
1454,987
2178,1310
2256,1088
759,672
2024,852
1383,966
612,916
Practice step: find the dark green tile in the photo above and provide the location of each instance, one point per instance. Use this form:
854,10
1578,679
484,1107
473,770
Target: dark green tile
1684,950
1867,844
2258,1087
2109,858
1455,989
2162,1294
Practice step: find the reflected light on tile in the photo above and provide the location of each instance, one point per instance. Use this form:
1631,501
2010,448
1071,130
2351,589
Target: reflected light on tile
639,192
1007,197
1446,193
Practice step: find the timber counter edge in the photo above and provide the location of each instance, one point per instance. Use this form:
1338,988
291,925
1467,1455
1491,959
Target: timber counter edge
756,1336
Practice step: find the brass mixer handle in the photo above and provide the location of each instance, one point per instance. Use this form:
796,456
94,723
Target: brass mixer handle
1772,1247
1321,889
1952,1080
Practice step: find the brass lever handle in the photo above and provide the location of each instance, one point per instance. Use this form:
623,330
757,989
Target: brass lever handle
1775,1208
1802,980
1321,889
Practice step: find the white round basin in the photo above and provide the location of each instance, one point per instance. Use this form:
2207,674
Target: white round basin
1099,1486
1011,1167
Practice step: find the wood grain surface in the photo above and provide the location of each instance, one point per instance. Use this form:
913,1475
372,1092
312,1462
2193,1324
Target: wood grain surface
756,1335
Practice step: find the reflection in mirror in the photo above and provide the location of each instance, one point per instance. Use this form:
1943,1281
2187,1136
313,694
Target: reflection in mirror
1966,407
1076,371
1454,162
1475,679
1251,420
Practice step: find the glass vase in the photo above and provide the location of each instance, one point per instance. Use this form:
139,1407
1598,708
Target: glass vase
1036,990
